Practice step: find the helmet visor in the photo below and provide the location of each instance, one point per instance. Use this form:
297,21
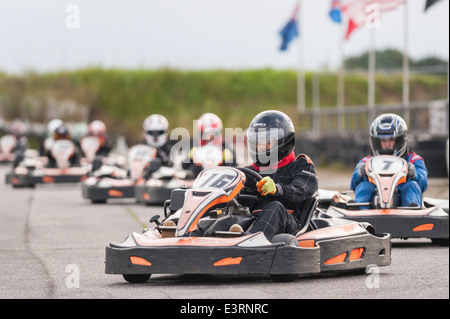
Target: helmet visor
388,145
263,144
155,133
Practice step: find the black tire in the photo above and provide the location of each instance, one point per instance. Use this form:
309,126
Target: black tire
136,279
440,241
98,201
283,277
287,239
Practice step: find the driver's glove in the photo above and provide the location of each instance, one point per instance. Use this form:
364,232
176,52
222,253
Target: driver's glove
411,171
266,186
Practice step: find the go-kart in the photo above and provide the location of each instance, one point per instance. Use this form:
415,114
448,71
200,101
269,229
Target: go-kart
33,169
89,145
108,180
194,237
430,220
7,144
158,188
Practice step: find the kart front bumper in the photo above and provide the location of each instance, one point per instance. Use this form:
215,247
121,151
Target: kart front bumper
270,259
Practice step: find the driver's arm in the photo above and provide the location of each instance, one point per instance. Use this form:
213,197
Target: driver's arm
302,186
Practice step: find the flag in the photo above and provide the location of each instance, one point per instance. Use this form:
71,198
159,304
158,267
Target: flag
336,11
429,3
290,31
357,13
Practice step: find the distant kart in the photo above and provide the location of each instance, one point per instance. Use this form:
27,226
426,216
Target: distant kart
7,144
89,145
194,238
112,181
158,188
429,220
32,170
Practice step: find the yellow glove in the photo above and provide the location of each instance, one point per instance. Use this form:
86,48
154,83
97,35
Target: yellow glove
227,156
266,186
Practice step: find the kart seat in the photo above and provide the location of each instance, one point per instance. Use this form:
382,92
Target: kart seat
309,207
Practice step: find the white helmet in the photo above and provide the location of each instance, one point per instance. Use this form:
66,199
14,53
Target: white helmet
156,129
209,129
96,128
53,125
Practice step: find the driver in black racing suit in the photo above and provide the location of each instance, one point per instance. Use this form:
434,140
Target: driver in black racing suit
287,180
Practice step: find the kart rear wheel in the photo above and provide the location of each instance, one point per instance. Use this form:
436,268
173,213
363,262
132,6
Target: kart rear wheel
136,279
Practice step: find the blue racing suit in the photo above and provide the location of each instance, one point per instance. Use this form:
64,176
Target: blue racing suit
410,192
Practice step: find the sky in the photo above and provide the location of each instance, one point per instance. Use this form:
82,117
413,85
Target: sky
39,35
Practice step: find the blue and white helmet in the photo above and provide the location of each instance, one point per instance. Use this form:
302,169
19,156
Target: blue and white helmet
388,126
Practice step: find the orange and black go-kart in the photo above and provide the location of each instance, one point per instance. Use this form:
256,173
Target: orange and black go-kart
109,178
158,187
430,220
194,238
33,168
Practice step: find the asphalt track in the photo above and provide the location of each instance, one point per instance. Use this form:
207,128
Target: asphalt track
53,246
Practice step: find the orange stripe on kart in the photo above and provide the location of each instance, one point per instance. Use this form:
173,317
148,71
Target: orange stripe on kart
228,261
306,243
356,254
336,260
221,199
115,193
48,179
139,261
424,227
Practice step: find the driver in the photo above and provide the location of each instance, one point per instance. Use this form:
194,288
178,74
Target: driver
388,136
287,180
62,133
156,134
208,131
97,128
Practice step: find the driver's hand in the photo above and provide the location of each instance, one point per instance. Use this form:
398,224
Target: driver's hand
361,169
266,186
411,171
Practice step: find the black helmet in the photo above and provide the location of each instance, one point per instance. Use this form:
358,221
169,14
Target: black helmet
270,137
388,126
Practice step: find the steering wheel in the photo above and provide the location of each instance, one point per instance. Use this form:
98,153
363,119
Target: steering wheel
252,194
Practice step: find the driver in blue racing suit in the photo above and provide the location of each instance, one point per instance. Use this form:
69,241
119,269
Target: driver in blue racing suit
388,136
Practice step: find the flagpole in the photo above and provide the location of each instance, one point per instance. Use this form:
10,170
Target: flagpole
406,110
301,73
371,80
341,82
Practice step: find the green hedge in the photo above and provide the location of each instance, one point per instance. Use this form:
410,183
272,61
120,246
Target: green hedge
123,98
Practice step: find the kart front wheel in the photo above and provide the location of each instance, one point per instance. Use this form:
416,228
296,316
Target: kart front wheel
283,277
440,241
136,279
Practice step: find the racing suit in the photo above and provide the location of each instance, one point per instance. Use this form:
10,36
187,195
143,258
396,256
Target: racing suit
410,192
228,159
162,159
296,181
